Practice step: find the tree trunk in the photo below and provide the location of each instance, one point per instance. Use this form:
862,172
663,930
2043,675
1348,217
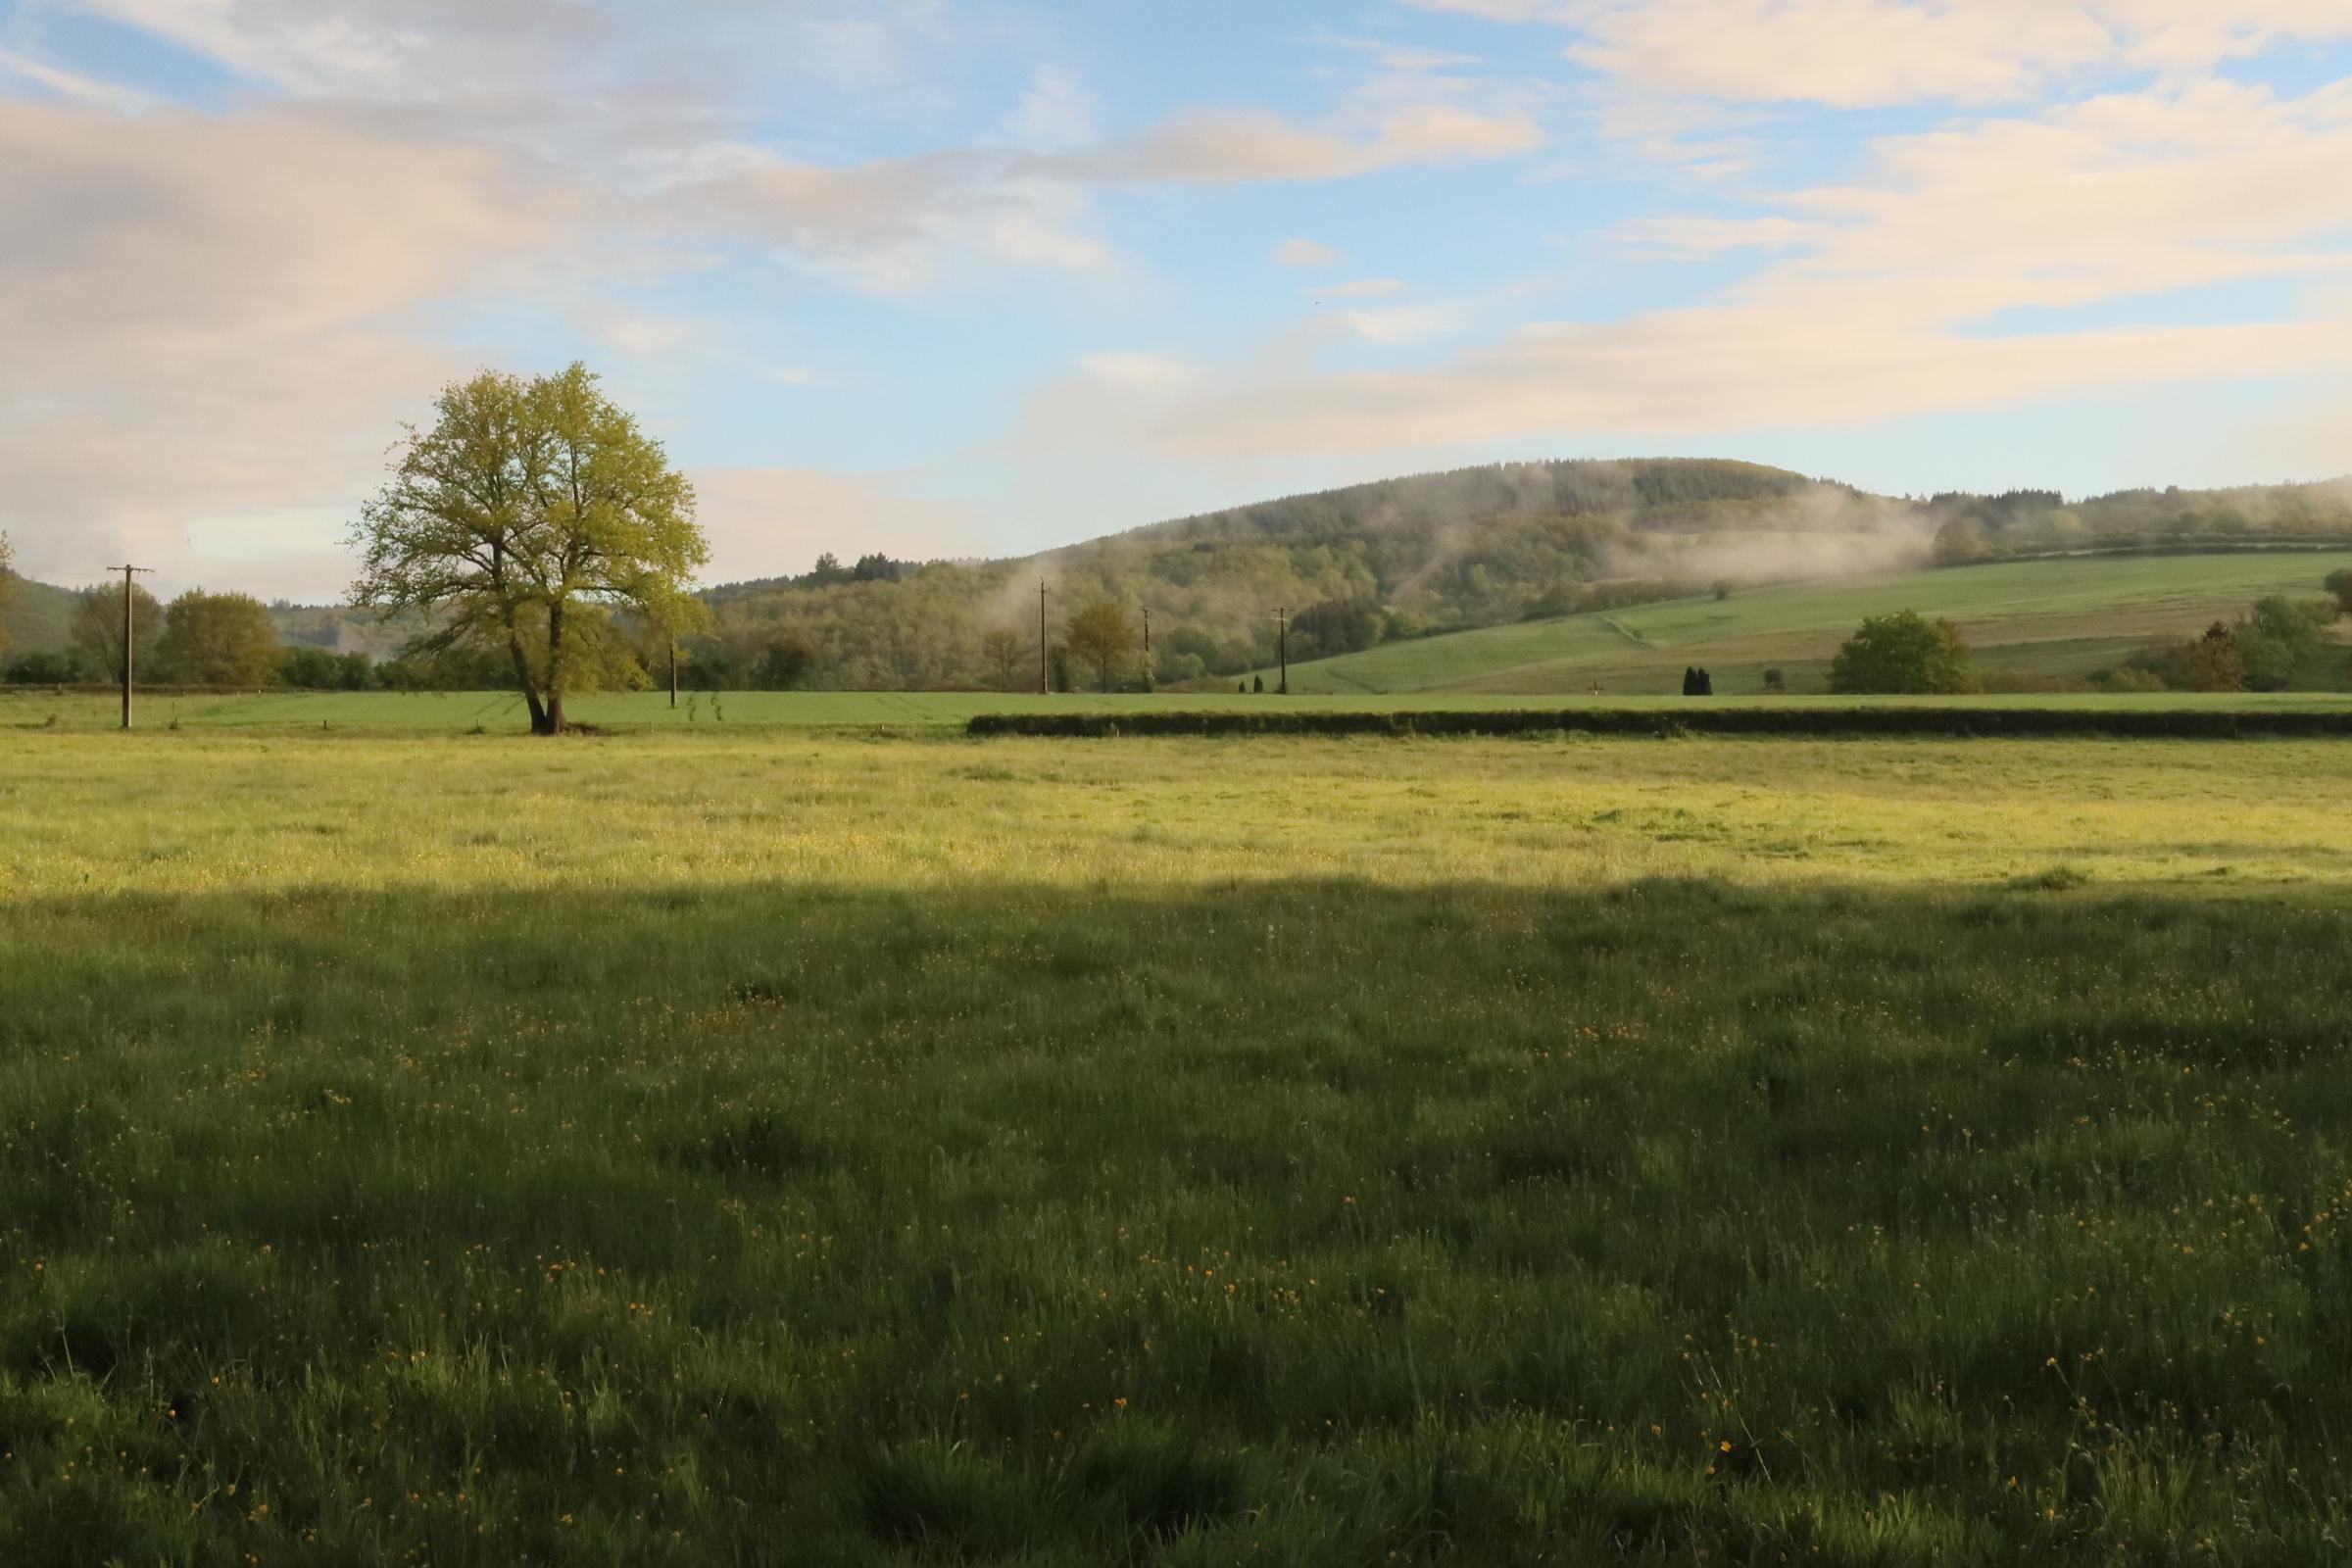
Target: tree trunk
552,722
530,688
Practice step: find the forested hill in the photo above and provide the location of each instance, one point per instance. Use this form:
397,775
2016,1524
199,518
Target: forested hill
1445,552
1371,563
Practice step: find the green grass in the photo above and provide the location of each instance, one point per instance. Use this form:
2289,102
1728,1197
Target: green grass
498,715
797,1148
2044,619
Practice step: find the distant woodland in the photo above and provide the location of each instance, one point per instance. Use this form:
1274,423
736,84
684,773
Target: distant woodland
1351,567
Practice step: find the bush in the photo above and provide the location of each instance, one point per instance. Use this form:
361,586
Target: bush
1903,653
41,669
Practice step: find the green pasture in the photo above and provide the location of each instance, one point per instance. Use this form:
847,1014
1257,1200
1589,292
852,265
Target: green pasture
2047,619
721,714
809,1145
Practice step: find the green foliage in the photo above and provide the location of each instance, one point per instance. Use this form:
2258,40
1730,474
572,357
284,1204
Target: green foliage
524,521
1105,637
309,668
1002,655
98,631
218,640
2279,635
8,587
1904,652
725,1173
2266,649
41,667
2338,584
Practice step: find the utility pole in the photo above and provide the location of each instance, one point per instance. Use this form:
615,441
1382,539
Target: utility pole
1045,661
129,632
1282,643
673,672
1148,682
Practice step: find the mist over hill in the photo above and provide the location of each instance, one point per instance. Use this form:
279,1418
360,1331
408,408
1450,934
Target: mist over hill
1436,553
1363,565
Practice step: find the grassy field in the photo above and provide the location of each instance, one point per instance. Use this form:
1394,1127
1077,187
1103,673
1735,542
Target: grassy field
500,715
2052,619
805,1148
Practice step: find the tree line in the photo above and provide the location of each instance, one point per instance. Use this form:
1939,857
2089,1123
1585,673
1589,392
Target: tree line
1971,529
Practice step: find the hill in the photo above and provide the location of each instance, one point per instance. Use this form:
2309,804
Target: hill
1392,563
2028,622
38,617
1387,565
1360,566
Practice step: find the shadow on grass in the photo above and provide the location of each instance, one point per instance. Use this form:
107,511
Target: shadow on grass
1022,1223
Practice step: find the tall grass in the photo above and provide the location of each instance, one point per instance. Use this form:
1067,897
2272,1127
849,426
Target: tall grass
943,1151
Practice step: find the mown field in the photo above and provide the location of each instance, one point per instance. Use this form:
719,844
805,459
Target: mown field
2045,619
808,1148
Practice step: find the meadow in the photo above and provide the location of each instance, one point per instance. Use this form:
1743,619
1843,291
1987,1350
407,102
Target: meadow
2045,620
720,713
805,1146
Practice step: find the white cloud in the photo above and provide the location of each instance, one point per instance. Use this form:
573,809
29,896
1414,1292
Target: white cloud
1363,288
1866,53
212,317
1897,295
1230,146
71,84
1056,112
1307,253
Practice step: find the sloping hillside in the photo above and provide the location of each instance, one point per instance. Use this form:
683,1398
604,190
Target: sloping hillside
39,618
1357,566
2043,619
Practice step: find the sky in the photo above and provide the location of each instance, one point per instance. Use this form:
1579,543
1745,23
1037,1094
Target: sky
956,277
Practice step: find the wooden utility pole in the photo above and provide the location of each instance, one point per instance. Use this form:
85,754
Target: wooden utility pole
1045,661
673,672
1282,644
129,632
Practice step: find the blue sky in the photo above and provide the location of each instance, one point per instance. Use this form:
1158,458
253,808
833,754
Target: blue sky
946,278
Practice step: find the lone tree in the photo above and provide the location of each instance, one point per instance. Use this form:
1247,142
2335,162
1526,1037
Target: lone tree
1104,636
524,520
219,640
98,630
1903,652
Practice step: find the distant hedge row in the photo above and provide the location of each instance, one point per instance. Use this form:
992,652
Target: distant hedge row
1986,722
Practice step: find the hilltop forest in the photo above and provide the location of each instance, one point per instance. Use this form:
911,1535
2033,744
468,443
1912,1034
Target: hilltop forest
1355,567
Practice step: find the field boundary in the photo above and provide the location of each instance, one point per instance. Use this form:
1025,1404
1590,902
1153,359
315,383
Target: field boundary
1957,723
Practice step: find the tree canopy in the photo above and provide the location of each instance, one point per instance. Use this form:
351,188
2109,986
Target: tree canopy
1104,635
7,583
98,630
218,640
1904,652
525,520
